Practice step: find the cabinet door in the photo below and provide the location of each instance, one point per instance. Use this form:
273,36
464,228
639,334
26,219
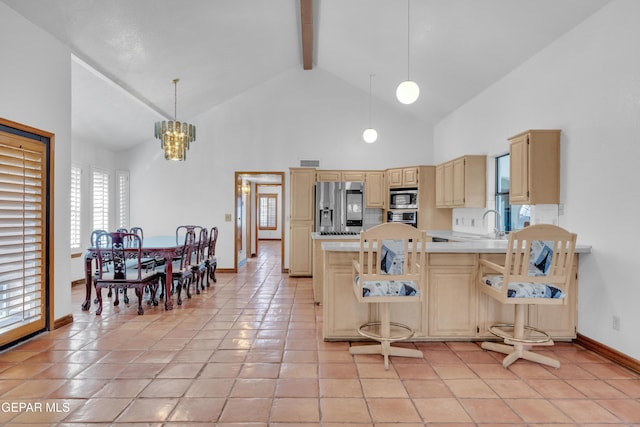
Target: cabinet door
357,176
394,177
459,184
559,321
519,170
375,190
302,184
410,177
328,176
300,255
448,184
452,302
440,203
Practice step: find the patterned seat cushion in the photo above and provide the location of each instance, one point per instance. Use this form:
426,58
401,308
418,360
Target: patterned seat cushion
387,288
524,289
539,262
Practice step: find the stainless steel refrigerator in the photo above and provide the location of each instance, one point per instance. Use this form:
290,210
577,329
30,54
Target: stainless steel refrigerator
339,207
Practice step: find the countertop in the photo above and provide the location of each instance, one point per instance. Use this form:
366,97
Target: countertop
477,246
460,236
353,237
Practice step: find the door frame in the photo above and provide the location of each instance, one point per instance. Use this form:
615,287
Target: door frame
238,176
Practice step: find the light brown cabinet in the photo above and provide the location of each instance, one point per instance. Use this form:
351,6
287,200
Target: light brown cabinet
453,309
375,190
302,181
461,183
535,167
403,177
430,218
339,176
452,295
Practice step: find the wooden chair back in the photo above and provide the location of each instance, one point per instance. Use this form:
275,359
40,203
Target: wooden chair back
120,249
373,264
553,248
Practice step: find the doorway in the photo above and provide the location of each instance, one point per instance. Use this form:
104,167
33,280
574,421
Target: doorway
249,186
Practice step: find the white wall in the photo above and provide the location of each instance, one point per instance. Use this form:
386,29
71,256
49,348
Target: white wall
587,83
35,90
297,115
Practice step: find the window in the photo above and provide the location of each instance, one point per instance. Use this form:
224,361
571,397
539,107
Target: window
76,174
100,190
23,233
122,191
268,211
514,217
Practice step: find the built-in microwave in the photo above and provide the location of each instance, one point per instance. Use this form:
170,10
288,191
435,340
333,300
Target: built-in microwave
403,198
405,217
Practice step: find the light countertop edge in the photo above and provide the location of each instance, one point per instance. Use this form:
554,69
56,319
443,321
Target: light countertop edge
483,246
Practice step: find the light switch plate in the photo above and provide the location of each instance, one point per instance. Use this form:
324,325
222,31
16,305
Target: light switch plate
227,217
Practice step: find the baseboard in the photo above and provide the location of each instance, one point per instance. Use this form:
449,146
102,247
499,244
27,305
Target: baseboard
65,320
78,282
226,270
608,353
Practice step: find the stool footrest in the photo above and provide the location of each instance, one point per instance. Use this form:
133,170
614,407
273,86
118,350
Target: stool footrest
398,331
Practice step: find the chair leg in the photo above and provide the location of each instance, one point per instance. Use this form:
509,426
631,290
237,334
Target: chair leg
519,350
385,348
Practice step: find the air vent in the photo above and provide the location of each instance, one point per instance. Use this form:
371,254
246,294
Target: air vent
309,163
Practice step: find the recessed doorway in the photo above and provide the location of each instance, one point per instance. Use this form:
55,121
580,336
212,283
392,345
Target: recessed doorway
259,213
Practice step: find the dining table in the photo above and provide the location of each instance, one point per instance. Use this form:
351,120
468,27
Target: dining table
164,247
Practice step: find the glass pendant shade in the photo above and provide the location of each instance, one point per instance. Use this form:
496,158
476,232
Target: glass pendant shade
408,92
175,137
370,135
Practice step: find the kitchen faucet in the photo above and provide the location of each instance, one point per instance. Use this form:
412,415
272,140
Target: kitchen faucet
496,229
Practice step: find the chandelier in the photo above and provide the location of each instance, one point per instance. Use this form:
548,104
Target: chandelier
175,136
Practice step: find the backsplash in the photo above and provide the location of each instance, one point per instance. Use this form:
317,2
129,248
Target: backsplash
469,220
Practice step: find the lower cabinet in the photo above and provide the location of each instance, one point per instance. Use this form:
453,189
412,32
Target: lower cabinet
452,294
453,307
300,259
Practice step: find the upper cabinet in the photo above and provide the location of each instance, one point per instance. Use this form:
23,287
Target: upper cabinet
374,190
403,177
535,167
302,181
461,182
340,176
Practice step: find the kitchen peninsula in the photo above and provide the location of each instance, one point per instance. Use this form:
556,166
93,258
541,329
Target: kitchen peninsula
452,309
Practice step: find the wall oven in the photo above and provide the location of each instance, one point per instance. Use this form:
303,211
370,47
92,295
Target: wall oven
403,198
405,217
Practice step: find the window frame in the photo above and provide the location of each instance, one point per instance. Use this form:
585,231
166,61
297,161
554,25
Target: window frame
269,198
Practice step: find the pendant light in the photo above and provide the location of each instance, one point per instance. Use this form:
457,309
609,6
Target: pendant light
408,91
175,136
370,135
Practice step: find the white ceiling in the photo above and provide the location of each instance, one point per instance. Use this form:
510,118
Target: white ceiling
128,52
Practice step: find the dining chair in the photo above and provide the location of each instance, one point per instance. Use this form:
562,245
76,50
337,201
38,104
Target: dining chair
537,271
198,260
182,273
388,270
117,248
211,260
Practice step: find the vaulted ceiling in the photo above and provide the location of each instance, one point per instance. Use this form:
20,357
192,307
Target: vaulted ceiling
128,52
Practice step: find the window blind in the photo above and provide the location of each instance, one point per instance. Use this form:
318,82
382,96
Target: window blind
22,236
100,189
268,211
74,197
122,179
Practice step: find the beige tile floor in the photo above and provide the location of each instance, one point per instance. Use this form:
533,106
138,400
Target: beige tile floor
249,352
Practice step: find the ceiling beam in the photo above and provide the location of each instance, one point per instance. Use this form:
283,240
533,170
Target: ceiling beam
306,15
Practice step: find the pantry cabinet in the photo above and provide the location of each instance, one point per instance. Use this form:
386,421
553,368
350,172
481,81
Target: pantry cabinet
302,182
461,182
402,177
535,167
